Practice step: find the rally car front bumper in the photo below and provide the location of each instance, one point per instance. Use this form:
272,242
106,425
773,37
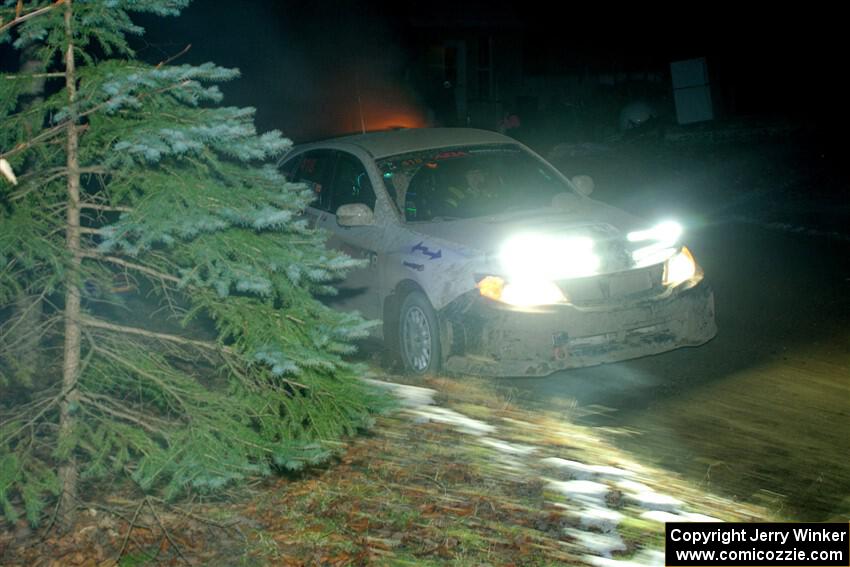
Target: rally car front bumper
487,339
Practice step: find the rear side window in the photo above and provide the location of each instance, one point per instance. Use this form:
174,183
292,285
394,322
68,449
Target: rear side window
315,168
351,183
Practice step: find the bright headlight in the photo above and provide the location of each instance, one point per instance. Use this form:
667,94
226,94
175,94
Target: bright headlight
667,232
680,267
527,292
662,239
652,254
537,256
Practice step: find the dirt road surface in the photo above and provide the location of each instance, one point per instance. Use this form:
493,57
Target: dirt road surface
761,413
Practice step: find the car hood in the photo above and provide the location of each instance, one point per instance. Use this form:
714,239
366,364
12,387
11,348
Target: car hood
582,217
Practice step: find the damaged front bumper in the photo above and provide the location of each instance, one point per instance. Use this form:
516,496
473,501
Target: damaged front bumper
488,340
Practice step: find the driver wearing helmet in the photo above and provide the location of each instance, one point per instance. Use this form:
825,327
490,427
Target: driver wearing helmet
475,181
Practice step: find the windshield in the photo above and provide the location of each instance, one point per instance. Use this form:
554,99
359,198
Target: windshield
469,181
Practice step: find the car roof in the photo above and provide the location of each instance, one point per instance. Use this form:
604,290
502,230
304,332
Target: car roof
392,142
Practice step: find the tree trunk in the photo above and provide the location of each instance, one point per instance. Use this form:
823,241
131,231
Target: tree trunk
71,359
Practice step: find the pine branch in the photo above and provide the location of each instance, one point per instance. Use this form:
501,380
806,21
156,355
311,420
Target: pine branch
34,76
98,324
41,330
19,19
153,378
66,125
198,518
166,532
131,266
44,136
121,414
50,403
106,208
59,172
4,332
173,57
129,531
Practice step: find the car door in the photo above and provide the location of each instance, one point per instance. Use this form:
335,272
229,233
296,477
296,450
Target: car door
351,184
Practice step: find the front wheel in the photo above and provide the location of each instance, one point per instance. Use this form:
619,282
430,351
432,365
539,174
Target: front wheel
419,335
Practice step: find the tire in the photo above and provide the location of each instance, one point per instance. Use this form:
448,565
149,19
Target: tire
419,335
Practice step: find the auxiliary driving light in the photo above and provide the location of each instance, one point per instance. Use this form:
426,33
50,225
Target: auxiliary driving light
679,268
527,292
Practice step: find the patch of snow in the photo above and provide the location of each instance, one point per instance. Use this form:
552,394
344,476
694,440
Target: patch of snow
580,487
653,557
575,469
511,464
412,396
661,516
652,500
664,516
510,448
581,471
587,491
602,519
693,517
633,486
605,470
451,417
597,544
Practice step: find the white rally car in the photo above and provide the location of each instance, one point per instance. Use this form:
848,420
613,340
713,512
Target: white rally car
483,258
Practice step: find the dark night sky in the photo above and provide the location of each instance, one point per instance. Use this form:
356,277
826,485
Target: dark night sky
301,60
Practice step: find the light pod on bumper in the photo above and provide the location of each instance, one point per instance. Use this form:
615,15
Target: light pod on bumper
522,293
680,267
661,239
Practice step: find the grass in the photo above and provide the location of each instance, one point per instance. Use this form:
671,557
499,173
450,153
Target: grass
405,494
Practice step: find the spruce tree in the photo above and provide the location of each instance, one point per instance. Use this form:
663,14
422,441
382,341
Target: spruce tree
151,246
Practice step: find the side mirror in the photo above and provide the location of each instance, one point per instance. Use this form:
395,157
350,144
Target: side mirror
354,214
584,184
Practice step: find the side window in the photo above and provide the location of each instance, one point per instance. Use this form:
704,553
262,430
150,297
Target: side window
315,168
351,183
290,166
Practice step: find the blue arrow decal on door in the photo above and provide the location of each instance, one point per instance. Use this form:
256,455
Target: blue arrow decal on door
425,251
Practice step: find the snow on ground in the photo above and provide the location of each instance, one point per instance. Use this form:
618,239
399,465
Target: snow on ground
587,487
412,396
599,518
652,500
660,516
510,448
582,471
450,417
601,544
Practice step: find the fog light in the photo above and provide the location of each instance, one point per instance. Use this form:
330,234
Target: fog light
491,287
680,267
521,293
